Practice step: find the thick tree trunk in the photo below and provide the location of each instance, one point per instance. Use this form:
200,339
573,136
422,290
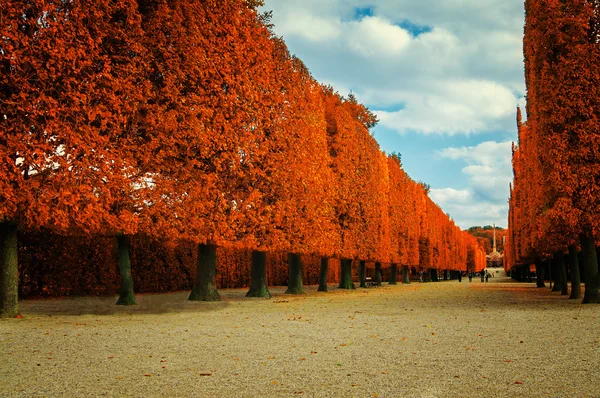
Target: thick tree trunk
295,274
590,294
539,274
9,271
362,279
346,275
323,274
575,279
258,283
378,274
393,274
564,282
405,275
556,272
205,286
434,275
126,293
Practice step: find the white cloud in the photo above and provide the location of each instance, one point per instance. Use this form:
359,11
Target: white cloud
486,153
464,76
372,36
311,27
488,171
446,195
453,107
467,210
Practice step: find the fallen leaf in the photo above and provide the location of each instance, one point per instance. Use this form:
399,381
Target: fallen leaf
148,374
518,382
205,374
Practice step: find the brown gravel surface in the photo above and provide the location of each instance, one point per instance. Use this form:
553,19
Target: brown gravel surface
445,339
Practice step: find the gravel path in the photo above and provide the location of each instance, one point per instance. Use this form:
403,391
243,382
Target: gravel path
445,339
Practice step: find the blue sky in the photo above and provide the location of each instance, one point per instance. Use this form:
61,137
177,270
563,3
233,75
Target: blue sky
443,76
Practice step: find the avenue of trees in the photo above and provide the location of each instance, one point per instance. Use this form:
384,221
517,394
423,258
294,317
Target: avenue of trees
554,219
189,123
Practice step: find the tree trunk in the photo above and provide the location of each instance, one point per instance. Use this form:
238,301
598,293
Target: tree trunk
575,279
205,286
323,274
590,294
9,271
361,274
556,272
564,283
393,274
346,275
258,284
405,275
126,293
434,275
295,274
539,274
378,274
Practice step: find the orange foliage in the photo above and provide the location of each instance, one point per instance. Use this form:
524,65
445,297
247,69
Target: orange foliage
554,196
190,122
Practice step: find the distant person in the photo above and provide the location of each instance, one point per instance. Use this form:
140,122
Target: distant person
460,276
421,276
482,276
487,275
470,276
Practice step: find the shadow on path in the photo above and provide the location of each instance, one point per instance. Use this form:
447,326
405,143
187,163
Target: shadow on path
159,303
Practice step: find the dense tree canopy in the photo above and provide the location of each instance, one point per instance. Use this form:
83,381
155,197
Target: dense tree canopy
554,200
190,121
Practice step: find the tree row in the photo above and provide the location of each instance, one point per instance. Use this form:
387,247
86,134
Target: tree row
191,121
554,200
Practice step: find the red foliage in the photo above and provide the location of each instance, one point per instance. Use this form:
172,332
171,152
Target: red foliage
554,197
178,121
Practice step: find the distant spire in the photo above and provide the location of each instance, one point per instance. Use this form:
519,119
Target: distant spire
494,237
